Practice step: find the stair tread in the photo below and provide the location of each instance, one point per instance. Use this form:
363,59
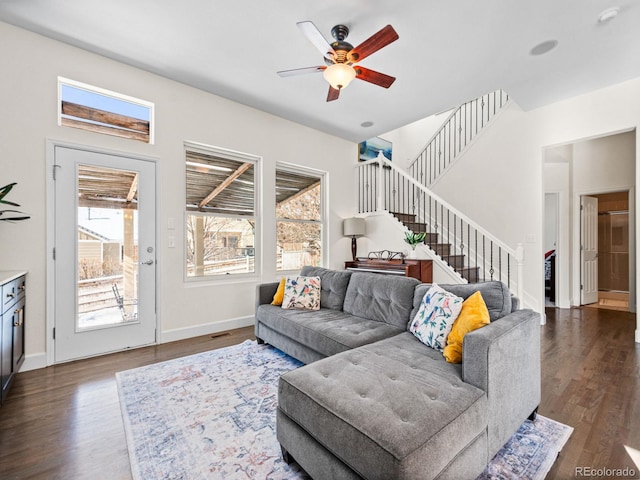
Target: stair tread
454,260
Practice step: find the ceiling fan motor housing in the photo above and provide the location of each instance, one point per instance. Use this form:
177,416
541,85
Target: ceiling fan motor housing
342,48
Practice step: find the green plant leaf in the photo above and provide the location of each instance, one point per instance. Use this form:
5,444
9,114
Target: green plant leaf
3,193
12,217
414,239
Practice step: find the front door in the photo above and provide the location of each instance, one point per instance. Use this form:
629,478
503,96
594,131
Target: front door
589,249
105,253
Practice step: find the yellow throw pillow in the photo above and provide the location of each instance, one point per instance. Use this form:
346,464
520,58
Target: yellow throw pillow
474,314
279,296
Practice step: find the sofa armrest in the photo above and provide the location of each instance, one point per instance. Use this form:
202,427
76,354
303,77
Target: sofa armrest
264,296
265,293
503,359
515,303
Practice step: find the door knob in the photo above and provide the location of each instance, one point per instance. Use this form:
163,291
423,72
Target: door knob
148,262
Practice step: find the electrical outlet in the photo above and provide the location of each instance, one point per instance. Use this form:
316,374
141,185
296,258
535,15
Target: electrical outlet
171,241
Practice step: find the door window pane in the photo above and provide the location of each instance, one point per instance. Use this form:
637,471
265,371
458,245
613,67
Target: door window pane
107,253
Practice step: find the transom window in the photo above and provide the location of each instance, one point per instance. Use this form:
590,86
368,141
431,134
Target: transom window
102,111
299,218
221,206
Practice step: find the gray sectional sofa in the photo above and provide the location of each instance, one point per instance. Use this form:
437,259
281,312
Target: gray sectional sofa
374,402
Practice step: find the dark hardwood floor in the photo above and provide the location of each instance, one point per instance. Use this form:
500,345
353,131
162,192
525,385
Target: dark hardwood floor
64,422
590,380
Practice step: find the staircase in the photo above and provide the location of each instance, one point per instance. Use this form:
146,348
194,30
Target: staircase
455,134
462,245
445,251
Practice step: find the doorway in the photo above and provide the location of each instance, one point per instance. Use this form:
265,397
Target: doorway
551,218
105,253
613,251
589,168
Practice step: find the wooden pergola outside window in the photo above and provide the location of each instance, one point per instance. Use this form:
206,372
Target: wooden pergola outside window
101,111
220,204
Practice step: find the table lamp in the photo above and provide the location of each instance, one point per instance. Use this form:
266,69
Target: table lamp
353,227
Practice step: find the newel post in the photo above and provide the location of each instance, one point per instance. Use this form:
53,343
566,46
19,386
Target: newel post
520,271
379,197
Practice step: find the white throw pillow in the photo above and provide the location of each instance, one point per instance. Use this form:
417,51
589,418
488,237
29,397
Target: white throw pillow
438,310
302,292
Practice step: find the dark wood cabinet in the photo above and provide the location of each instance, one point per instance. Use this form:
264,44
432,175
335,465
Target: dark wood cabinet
12,315
420,269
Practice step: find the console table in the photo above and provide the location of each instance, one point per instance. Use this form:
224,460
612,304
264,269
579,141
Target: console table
420,269
12,288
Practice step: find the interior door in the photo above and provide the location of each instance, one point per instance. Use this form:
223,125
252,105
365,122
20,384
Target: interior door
589,250
105,275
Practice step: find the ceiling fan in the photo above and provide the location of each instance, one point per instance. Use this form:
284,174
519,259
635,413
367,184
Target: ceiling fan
341,57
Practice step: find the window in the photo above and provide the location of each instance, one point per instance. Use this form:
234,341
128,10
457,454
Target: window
98,110
299,218
221,206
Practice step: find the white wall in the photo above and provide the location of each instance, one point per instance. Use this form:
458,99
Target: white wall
550,221
410,140
28,89
499,181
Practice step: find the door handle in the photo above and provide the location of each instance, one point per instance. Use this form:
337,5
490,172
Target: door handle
148,262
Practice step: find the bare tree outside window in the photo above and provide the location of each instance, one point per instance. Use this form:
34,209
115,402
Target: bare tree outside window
299,219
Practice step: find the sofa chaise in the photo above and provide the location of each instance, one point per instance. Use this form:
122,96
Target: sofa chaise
374,402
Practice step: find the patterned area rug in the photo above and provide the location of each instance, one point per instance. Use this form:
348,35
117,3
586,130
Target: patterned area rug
212,415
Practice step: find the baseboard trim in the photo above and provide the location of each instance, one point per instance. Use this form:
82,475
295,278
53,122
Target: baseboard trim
637,336
206,329
34,361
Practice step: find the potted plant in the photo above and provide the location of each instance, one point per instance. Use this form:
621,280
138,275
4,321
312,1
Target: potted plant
414,239
10,214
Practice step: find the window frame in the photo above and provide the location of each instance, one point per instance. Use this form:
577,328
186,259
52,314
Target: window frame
62,81
243,157
323,176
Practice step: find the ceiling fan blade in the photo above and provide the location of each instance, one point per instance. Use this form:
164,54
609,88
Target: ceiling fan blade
313,34
333,94
374,43
374,77
301,71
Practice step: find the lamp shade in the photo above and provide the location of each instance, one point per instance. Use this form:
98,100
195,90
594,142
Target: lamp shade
353,227
339,75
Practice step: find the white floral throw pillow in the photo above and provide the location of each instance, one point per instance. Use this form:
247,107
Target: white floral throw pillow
302,292
438,310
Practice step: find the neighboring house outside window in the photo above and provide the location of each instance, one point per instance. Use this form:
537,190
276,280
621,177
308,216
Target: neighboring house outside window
299,217
221,212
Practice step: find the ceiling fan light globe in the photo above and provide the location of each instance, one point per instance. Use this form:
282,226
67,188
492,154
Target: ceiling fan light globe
339,75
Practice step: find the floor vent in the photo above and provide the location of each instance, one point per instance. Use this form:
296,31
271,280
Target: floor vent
220,334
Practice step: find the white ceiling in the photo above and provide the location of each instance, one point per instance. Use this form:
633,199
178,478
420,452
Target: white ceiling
449,51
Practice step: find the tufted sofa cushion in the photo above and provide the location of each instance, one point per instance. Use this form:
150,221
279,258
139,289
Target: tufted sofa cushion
391,409
383,298
496,296
333,285
325,331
